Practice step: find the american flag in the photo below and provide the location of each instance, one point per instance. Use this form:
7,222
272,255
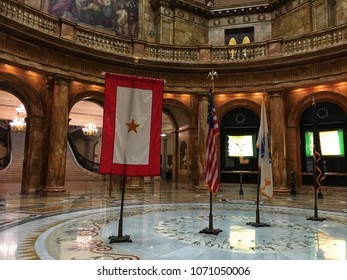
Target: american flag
211,172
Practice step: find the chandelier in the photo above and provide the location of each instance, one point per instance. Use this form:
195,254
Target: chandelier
18,124
90,129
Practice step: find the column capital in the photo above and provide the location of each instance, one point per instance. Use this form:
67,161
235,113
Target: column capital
276,92
202,96
54,79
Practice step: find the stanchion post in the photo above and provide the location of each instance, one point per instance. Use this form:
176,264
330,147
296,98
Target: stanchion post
241,181
292,179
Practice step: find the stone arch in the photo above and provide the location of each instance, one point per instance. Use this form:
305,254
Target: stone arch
293,125
23,91
88,95
320,96
32,160
235,103
181,115
182,119
87,147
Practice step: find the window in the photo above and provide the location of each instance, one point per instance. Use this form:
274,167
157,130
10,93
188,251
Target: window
240,36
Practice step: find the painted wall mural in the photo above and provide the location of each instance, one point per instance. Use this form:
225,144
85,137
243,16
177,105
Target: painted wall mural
121,16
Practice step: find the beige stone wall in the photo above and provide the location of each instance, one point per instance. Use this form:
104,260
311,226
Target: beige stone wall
189,33
341,12
302,17
291,20
34,3
147,31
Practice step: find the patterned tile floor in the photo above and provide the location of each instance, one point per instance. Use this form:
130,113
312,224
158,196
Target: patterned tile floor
164,222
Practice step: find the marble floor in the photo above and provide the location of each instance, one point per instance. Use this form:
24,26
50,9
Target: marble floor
164,222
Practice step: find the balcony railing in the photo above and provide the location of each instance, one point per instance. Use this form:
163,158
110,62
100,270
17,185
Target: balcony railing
102,42
110,43
315,41
171,53
29,17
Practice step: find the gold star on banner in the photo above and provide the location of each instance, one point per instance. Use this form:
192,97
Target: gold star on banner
132,126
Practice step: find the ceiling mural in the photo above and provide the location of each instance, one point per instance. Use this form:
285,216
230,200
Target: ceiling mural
120,16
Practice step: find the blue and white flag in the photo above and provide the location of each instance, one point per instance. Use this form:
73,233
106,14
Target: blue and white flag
264,159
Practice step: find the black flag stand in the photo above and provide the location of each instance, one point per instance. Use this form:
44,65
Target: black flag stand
210,229
315,217
257,222
120,237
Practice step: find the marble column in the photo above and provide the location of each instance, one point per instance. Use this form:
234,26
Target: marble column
202,133
58,137
164,158
192,162
148,180
278,140
31,180
134,183
131,183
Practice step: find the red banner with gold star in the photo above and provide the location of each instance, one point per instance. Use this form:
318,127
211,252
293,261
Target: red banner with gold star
131,126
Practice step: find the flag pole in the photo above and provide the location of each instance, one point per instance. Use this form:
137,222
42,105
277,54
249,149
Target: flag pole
120,237
210,229
257,213
314,173
257,222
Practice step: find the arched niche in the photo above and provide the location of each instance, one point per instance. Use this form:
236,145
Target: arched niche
332,127
238,134
183,155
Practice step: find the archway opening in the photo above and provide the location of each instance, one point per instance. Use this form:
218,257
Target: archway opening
238,155
85,132
332,126
167,147
12,141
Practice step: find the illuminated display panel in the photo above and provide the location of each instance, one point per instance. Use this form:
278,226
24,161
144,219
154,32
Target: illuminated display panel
331,142
240,145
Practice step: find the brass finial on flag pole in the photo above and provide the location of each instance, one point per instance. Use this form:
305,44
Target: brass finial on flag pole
212,74
136,61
